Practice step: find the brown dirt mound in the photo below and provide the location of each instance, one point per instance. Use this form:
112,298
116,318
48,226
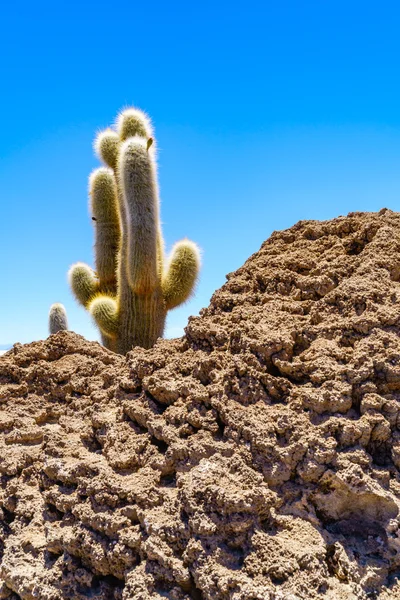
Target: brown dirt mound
257,458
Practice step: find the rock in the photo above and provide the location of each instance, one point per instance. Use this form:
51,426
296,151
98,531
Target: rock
256,458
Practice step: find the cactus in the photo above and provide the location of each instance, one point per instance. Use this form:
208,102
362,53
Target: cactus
133,286
57,318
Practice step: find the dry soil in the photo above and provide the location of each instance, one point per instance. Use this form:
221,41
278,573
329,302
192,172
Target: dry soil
257,457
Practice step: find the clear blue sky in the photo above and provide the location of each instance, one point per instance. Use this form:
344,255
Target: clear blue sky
265,113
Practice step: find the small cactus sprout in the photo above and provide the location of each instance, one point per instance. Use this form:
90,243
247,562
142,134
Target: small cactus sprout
57,318
133,286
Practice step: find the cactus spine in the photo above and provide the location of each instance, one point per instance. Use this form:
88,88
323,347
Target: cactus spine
132,289
57,318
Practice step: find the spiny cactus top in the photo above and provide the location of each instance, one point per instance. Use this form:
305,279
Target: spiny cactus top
133,286
57,318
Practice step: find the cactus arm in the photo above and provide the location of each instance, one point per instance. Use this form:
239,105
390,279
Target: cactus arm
57,318
104,311
103,204
83,282
181,274
138,186
131,122
106,146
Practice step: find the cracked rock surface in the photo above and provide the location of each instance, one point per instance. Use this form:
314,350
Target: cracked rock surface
256,458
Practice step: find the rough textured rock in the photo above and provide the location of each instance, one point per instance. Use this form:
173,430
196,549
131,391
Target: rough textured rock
256,458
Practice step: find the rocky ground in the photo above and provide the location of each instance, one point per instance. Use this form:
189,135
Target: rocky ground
256,458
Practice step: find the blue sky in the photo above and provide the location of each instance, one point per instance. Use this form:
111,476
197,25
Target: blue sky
265,113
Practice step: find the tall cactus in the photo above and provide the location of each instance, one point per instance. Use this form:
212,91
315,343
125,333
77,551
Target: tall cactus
132,288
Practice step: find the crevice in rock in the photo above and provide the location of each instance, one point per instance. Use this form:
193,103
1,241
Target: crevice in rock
160,444
168,480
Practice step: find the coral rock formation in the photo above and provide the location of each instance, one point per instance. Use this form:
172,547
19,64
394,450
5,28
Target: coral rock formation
256,458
